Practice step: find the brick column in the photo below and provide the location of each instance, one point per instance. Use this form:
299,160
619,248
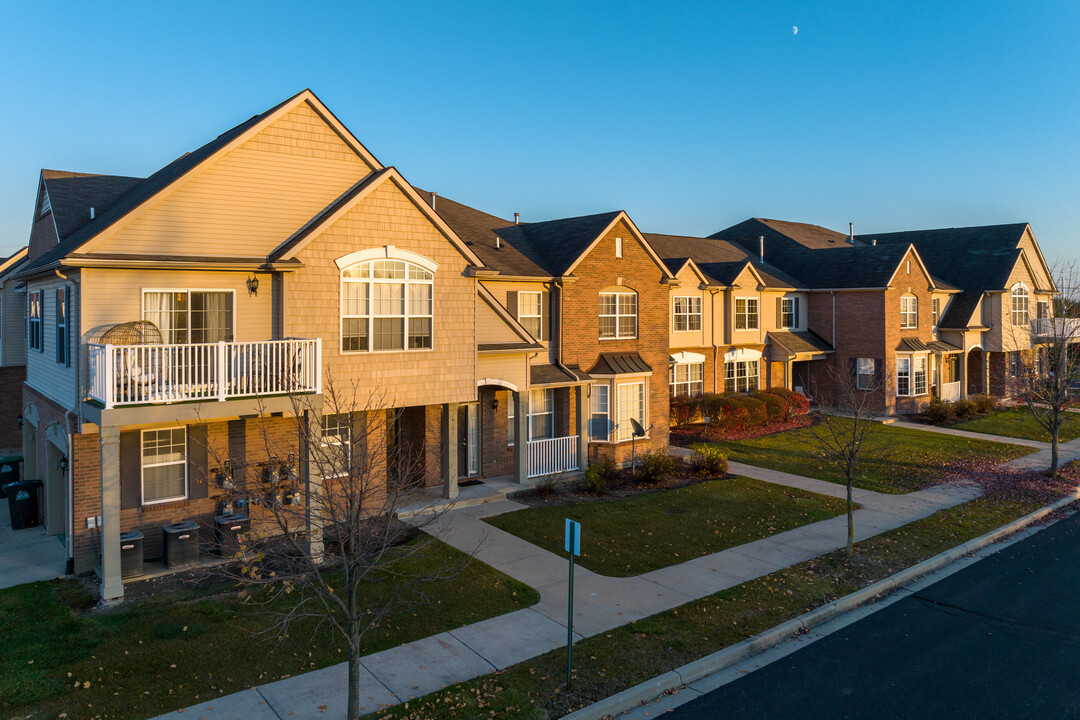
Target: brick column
112,587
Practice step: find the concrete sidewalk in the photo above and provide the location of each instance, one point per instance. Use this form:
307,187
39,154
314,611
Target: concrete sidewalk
28,555
600,603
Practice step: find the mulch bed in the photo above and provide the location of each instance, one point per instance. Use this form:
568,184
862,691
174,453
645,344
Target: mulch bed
688,435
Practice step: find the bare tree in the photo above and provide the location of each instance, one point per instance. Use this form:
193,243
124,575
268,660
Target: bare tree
846,432
324,520
1051,375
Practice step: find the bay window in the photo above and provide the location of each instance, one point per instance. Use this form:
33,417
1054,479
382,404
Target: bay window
911,375
631,397
599,413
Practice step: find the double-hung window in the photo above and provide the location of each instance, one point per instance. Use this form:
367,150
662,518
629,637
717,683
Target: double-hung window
935,310
511,423
919,363
903,376
530,313
599,414
909,311
746,314
618,315
687,379
865,368
687,313
386,305
164,465
789,313
190,316
741,376
541,414
631,406
62,310
34,332
1019,305
1042,310
337,445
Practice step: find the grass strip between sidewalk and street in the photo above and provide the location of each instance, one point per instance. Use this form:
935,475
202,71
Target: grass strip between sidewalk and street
1019,422
634,535
608,663
152,656
914,459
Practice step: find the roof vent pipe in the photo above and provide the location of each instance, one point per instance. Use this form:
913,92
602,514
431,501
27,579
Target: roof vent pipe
433,194
874,242
761,249
91,213
517,218
498,242
851,233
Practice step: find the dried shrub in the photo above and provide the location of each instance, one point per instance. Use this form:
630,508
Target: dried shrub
985,404
938,411
709,462
964,408
656,467
600,475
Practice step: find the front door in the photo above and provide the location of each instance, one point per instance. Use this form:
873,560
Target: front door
468,440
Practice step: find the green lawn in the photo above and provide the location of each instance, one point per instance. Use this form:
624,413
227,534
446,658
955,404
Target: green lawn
618,659
1018,422
652,530
914,458
155,656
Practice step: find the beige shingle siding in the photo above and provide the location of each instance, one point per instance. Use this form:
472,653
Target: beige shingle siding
43,373
447,373
509,368
251,200
490,327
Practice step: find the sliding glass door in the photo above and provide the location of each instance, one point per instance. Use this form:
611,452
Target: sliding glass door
198,316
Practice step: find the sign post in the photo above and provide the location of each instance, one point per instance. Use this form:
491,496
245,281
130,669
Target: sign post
573,547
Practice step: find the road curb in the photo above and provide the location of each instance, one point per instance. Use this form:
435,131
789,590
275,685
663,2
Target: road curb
693,671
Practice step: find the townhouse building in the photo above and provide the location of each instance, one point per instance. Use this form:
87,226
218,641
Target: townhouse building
12,353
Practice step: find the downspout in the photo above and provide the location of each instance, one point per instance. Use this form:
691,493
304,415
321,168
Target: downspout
74,330
558,353
833,293
712,333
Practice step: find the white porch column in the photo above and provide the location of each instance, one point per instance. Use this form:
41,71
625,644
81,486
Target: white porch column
521,436
112,587
582,428
450,450
310,426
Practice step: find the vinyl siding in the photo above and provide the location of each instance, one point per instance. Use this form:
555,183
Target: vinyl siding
688,287
12,325
56,382
509,368
490,327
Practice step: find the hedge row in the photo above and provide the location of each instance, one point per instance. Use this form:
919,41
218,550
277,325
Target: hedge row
736,412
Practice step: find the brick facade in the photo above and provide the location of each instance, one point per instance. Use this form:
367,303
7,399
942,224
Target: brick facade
11,403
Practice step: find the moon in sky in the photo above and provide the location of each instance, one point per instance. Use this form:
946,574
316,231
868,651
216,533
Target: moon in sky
794,29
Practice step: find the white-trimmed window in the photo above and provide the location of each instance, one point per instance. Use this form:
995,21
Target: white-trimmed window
599,413
741,376
164,465
62,339
34,332
1019,305
935,310
746,313
530,312
631,406
920,365
1042,310
541,414
687,313
191,316
618,315
1016,364
865,369
789,313
386,305
687,379
909,311
903,376
511,425
911,375
337,444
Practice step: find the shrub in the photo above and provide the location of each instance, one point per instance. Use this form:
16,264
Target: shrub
964,408
938,411
684,410
600,474
545,487
985,403
709,405
776,407
656,467
709,462
798,404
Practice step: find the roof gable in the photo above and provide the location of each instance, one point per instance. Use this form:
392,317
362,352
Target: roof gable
621,216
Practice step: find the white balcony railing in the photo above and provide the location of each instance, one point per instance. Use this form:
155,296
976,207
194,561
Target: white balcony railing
150,374
1066,329
950,392
553,455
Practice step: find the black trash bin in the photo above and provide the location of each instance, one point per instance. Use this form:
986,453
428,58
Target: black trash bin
227,531
131,554
9,471
22,503
181,542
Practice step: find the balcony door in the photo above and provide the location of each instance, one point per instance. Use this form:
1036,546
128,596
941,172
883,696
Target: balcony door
190,316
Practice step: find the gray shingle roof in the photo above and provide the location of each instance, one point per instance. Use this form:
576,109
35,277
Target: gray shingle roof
719,260
800,342
73,194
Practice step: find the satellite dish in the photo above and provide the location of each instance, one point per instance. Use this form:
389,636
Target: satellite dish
638,430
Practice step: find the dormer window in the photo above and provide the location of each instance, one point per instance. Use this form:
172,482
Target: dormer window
386,305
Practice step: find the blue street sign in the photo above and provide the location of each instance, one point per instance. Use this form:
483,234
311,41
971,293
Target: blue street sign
573,536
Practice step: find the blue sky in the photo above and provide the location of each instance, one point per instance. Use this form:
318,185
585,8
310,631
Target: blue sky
690,116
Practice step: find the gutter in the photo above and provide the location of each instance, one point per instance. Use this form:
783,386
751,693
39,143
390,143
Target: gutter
558,353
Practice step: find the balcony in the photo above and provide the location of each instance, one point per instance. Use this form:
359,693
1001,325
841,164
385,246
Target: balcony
1053,329
133,375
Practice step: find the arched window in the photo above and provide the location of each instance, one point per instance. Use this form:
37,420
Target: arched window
386,305
1020,305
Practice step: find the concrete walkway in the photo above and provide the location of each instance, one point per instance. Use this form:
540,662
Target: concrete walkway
600,603
970,435
28,555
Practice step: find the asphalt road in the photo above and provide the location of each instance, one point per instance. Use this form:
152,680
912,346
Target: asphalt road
1000,639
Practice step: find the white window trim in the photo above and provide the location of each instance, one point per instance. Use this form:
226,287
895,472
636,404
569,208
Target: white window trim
511,426
794,313
1026,311
618,412
756,315
336,439
66,325
40,347
689,315
550,392
606,414
539,311
232,291
736,363
674,382
860,375
143,465
904,314
911,359
618,247
618,315
398,256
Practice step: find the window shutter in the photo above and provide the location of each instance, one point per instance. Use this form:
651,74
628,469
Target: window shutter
779,313
512,303
198,469
545,333
130,470
795,322
67,325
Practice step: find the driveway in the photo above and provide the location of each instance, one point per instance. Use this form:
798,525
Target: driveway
28,555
